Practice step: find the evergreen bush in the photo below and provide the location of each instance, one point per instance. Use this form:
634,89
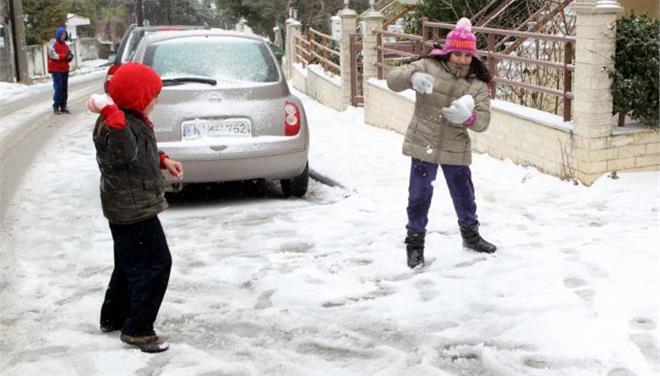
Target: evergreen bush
636,73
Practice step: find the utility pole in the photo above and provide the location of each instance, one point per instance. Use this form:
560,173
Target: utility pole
18,39
6,64
139,13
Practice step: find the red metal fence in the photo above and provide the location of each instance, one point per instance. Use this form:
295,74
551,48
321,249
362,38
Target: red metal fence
357,97
324,49
406,47
301,48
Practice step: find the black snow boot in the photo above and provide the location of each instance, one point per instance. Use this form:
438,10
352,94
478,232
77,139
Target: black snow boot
56,110
474,241
415,249
64,110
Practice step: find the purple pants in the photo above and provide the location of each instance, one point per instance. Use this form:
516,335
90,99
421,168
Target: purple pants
420,192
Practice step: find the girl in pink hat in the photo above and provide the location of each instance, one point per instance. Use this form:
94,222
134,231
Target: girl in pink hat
452,97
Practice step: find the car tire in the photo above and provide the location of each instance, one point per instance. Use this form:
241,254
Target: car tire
296,186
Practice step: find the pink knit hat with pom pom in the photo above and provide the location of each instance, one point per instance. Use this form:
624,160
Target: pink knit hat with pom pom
461,39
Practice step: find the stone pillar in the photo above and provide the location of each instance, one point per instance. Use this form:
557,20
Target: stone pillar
77,58
348,27
592,107
373,20
293,29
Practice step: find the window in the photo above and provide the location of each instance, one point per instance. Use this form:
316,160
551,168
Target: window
229,60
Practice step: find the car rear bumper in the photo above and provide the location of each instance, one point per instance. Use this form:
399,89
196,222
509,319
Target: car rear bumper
197,169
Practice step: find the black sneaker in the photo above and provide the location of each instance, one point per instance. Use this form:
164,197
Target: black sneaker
65,110
56,111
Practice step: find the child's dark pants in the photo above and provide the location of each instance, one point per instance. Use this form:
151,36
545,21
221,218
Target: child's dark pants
139,279
60,89
420,192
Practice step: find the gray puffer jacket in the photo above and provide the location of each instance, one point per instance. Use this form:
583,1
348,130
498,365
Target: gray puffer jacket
430,137
132,187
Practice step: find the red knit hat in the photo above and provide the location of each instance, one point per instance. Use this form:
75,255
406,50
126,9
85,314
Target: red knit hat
133,86
461,39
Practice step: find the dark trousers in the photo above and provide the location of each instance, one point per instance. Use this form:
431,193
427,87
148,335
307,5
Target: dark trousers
139,280
60,89
420,192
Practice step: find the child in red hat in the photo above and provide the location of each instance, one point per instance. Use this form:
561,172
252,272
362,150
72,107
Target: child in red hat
132,195
452,98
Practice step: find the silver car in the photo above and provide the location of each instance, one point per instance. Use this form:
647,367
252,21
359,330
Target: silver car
225,110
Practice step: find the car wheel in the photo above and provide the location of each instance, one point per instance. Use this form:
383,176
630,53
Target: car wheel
296,186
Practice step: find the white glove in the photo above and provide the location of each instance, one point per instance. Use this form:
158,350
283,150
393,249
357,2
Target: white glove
97,102
422,82
460,110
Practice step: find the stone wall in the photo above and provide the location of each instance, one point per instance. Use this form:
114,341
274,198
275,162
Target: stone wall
386,109
84,49
36,61
322,88
636,149
317,84
530,137
298,77
88,49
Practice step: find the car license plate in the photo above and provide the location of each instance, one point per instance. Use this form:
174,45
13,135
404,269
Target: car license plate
221,128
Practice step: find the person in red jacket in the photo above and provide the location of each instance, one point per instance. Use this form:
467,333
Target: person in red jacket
59,56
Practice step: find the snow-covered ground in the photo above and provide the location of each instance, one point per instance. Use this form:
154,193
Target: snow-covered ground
93,65
319,286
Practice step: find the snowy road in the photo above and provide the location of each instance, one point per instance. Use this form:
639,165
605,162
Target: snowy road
318,286
27,123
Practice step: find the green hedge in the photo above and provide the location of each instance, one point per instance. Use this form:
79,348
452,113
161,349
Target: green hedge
636,74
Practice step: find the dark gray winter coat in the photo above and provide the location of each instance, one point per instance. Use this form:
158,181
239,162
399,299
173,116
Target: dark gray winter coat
132,187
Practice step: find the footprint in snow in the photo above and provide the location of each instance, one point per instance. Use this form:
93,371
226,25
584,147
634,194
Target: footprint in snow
580,289
296,247
643,335
468,263
621,372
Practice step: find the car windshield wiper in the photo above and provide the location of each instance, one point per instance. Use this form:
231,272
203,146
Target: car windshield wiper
182,80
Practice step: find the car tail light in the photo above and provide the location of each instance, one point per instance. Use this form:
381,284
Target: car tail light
291,119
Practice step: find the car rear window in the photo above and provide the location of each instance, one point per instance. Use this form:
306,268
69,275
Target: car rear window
229,60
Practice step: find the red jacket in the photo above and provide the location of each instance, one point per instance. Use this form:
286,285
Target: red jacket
57,53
